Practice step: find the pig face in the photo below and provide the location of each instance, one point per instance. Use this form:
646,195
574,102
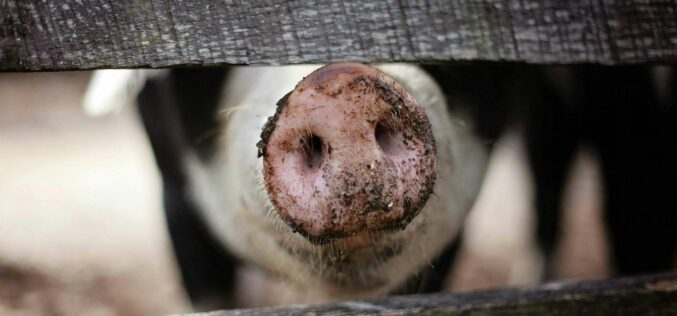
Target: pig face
346,177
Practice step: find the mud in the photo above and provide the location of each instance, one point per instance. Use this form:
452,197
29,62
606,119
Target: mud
360,193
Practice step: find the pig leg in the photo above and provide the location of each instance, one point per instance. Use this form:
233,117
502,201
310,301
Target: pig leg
635,127
640,213
550,165
178,110
553,129
486,95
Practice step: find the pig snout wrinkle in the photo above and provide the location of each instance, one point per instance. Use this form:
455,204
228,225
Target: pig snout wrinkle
348,150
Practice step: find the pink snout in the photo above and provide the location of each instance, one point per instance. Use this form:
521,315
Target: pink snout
349,150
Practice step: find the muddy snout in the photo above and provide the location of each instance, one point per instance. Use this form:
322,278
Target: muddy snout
349,150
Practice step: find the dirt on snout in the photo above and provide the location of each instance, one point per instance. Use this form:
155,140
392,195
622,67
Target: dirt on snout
362,188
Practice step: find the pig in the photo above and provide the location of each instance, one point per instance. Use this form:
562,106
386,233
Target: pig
246,158
341,181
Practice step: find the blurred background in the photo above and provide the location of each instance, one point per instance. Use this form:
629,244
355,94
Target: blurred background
82,230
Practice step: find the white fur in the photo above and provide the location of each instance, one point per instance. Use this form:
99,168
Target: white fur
110,90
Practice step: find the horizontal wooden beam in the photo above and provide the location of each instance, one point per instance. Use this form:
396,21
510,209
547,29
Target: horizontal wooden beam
88,34
646,295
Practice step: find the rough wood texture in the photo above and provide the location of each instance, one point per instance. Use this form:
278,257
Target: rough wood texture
86,34
647,295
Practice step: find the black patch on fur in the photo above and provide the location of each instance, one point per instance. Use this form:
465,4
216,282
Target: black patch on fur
198,95
176,111
485,93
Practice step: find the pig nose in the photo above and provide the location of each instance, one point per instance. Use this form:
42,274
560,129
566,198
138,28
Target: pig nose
348,150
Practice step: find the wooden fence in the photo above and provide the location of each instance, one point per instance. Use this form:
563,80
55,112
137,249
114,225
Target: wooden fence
646,295
87,34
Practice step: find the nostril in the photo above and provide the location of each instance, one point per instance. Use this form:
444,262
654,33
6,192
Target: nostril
388,138
312,151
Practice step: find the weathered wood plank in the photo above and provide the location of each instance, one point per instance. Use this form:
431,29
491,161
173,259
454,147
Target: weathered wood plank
86,34
646,295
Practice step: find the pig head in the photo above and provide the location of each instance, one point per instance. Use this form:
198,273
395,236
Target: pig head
343,181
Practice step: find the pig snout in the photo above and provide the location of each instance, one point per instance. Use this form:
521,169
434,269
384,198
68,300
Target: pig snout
349,150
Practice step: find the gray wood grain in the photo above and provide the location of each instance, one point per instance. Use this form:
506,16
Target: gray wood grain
87,34
646,295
